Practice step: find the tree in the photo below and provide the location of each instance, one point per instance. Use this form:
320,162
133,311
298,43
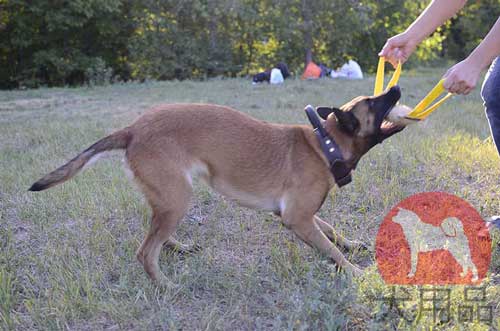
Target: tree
62,42
56,42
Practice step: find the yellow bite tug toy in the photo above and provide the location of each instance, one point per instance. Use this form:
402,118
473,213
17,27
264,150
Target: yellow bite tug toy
424,107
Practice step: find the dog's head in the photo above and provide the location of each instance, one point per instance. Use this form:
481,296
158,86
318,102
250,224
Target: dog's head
362,121
405,217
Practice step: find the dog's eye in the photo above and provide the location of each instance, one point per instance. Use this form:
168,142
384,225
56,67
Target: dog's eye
371,103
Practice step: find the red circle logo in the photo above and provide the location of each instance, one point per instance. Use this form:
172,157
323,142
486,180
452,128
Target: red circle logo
433,238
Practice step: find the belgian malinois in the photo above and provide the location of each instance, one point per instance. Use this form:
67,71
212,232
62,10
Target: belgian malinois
280,168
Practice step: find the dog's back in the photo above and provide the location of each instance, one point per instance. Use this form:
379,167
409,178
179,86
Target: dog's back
220,142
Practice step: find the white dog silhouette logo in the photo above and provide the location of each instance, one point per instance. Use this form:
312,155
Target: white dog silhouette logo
424,237
433,238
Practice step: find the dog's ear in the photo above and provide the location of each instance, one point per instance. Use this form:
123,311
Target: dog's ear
323,112
449,226
348,122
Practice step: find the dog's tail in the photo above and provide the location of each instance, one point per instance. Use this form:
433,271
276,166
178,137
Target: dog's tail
452,227
117,140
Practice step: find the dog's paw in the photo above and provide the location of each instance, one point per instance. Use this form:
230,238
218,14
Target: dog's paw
398,115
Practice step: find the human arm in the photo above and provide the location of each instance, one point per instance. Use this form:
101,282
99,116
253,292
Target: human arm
401,46
463,76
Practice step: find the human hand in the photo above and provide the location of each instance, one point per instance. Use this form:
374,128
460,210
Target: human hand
462,77
398,48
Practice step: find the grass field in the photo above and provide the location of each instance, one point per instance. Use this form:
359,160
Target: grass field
67,255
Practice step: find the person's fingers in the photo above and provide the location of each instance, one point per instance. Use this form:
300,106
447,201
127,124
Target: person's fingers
466,87
394,56
387,53
451,84
395,50
468,90
389,44
459,88
448,82
390,58
456,88
462,87
383,51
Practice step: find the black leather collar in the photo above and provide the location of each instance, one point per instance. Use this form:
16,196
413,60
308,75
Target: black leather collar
341,173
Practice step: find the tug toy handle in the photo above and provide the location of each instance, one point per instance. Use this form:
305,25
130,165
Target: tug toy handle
424,107
379,79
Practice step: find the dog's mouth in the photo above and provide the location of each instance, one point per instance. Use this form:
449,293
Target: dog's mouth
388,128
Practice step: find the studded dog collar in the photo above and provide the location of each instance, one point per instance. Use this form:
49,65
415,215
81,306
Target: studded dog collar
340,171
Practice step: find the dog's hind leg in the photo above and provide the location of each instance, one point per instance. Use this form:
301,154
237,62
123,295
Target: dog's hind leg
475,277
466,263
337,238
169,198
414,260
309,231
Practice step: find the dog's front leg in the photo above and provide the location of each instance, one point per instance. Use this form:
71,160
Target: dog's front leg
308,230
337,238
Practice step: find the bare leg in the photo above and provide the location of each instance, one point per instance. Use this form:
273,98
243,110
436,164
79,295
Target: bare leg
330,232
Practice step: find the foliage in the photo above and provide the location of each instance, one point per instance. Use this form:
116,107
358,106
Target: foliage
62,42
55,42
466,31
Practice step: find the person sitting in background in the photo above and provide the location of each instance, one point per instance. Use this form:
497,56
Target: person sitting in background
350,70
325,71
266,76
284,69
276,76
463,76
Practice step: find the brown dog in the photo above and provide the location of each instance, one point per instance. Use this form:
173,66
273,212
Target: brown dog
280,168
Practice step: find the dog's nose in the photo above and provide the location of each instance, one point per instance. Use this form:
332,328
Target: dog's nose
395,91
396,88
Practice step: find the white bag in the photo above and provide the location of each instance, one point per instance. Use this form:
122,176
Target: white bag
276,76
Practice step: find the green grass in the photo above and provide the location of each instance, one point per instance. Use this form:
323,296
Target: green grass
67,256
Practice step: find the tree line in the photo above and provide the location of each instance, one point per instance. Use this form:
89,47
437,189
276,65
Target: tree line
73,42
